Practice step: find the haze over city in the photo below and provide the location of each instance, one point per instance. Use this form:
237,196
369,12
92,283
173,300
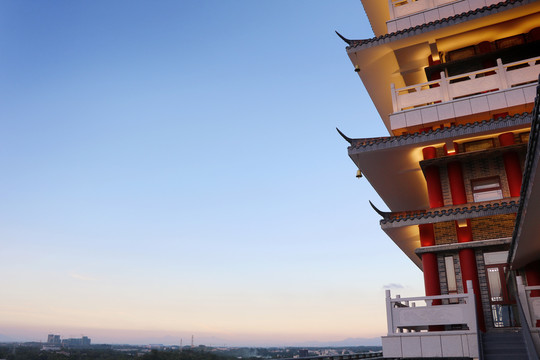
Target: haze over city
172,168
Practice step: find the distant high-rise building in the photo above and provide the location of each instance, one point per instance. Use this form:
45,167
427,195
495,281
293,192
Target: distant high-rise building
53,339
83,342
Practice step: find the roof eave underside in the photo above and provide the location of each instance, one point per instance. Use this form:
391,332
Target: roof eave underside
525,241
391,165
439,24
404,233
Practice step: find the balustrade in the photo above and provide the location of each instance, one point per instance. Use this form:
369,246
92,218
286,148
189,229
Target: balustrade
531,309
500,77
410,325
405,315
400,8
530,304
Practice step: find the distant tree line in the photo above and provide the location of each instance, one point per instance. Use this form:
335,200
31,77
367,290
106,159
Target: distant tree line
184,355
33,353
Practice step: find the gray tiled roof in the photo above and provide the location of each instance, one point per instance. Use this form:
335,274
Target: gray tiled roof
404,218
439,134
452,20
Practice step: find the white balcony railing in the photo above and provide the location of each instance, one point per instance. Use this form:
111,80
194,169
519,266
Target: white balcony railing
410,325
531,308
405,316
400,8
499,77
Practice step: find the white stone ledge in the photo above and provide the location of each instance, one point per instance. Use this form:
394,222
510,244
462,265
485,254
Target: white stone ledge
413,13
449,344
451,110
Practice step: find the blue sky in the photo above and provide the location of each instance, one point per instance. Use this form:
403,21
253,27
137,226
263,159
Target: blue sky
172,168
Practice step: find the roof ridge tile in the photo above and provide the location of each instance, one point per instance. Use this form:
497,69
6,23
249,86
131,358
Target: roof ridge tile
467,128
449,212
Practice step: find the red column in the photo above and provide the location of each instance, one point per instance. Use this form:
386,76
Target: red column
457,186
427,234
485,47
512,165
467,260
429,262
431,269
455,178
433,179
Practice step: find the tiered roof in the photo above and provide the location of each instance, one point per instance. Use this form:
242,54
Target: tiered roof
450,213
455,131
437,24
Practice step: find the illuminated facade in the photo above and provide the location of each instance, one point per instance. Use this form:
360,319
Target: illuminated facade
455,83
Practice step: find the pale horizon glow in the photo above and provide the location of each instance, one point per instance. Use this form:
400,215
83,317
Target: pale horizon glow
172,169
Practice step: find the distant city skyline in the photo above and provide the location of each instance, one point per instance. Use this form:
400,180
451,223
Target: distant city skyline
170,340
172,168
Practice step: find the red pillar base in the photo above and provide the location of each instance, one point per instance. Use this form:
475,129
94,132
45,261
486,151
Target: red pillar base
430,267
467,260
431,276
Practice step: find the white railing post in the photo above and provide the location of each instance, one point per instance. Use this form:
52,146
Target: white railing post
471,301
502,75
389,319
444,86
470,289
391,7
523,298
394,97
399,306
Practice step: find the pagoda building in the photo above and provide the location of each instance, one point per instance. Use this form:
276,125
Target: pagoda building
455,83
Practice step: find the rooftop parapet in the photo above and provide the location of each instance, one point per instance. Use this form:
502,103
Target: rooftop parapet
405,14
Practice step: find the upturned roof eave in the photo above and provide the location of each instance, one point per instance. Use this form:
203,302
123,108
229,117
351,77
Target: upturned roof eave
359,44
361,145
462,212
391,164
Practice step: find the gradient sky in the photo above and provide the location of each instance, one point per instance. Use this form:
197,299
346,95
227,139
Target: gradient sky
171,168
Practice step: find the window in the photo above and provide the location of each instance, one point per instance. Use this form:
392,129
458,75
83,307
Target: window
460,54
494,280
487,189
510,41
478,145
